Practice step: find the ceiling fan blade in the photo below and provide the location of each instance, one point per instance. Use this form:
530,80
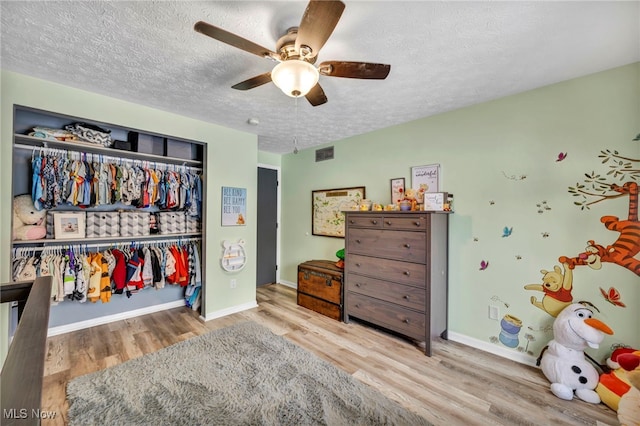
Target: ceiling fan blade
354,70
256,81
316,96
318,22
234,40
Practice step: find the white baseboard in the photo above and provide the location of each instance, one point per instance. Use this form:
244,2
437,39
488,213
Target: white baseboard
228,311
54,331
491,348
288,283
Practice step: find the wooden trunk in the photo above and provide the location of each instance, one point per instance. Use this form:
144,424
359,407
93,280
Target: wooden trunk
320,288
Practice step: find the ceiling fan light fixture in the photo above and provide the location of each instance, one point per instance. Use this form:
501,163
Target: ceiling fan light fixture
295,77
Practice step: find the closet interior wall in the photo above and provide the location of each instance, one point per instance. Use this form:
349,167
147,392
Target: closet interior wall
154,151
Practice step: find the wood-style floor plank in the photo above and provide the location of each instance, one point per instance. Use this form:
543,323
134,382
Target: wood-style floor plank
457,385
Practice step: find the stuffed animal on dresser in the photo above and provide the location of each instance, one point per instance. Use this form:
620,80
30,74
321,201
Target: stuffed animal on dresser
28,223
563,362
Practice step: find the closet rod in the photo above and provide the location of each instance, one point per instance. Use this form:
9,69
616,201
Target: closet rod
106,244
114,159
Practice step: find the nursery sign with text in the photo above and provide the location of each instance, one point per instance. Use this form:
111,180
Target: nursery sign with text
234,206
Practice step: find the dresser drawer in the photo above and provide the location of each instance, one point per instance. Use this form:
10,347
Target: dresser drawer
388,315
388,270
408,296
365,221
401,245
417,223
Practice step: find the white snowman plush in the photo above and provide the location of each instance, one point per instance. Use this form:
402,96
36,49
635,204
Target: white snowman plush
563,362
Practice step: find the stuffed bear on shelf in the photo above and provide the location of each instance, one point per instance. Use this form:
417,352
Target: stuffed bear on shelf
28,223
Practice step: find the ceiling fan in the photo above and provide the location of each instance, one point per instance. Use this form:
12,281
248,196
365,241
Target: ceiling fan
297,51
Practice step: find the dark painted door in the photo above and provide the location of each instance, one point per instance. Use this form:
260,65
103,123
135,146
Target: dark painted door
267,243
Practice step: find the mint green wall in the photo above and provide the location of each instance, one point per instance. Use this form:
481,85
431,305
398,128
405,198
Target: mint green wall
484,150
269,158
231,161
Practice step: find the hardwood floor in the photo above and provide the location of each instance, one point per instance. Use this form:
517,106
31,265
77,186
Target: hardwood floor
459,385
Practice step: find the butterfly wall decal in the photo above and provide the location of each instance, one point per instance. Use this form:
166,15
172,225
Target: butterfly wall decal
612,296
561,156
507,231
484,265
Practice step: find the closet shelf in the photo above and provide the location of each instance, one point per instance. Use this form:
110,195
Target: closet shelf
105,241
32,141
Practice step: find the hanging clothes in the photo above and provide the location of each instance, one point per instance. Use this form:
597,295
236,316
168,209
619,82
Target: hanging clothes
88,180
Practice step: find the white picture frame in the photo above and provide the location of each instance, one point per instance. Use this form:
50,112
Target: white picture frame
429,176
435,201
69,225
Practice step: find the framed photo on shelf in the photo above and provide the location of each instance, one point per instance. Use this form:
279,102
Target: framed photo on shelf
327,206
234,206
397,189
69,225
428,176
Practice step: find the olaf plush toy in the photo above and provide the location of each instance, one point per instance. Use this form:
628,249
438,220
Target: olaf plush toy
563,362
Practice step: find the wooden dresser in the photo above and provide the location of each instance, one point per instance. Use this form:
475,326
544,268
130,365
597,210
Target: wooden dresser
396,272
320,287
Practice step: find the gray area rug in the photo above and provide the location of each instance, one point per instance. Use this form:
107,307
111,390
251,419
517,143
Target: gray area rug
239,375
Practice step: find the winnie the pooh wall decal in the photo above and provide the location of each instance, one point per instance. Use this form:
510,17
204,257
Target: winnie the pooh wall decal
623,250
556,287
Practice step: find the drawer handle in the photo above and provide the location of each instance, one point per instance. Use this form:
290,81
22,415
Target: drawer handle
406,296
407,273
352,221
358,285
406,320
358,305
389,222
375,222
358,241
329,283
407,245
417,223
358,265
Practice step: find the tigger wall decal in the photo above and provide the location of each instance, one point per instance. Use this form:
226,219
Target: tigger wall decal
623,250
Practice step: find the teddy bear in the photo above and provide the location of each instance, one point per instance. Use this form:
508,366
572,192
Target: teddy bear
614,384
410,196
28,223
556,287
629,406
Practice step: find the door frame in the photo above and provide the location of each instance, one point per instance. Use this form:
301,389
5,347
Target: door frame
278,218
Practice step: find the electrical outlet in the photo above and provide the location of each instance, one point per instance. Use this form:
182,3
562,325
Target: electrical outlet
494,312
232,283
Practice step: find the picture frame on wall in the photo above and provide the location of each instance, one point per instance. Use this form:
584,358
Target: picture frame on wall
397,190
327,207
69,225
429,177
234,206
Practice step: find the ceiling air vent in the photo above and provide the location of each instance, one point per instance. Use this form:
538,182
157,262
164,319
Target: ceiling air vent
324,154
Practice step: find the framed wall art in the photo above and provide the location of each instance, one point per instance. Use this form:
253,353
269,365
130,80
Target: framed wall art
234,206
327,206
397,190
69,224
427,177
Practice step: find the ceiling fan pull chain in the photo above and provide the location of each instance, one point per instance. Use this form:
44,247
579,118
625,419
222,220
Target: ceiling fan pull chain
295,127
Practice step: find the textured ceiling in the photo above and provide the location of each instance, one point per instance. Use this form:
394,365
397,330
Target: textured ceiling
443,56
